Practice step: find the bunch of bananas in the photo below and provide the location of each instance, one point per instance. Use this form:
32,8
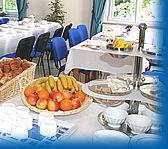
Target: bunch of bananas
119,43
63,82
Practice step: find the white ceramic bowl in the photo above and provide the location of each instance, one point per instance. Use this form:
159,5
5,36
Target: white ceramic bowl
123,106
114,116
154,116
110,137
138,123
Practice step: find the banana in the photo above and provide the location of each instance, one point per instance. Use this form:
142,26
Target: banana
63,80
72,89
69,81
55,87
75,84
40,81
47,86
59,85
51,81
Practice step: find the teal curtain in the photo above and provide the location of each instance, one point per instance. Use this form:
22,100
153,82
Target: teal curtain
22,9
97,15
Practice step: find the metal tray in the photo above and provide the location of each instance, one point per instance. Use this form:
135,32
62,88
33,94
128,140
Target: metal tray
109,46
151,91
102,87
123,128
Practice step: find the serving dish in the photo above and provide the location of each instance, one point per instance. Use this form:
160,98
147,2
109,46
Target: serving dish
85,104
104,87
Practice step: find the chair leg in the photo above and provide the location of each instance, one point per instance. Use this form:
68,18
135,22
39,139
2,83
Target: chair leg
43,65
48,62
38,61
86,78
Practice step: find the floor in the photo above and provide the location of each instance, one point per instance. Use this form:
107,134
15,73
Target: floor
54,71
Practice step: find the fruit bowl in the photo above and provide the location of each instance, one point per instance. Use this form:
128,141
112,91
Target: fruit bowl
85,104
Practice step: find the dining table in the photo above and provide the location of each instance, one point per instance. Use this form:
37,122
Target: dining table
86,122
92,54
12,32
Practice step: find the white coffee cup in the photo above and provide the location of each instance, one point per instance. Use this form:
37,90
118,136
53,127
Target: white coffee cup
27,119
22,110
48,128
45,116
19,130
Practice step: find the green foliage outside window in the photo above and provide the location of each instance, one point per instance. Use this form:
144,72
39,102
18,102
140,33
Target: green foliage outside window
126,8
10,5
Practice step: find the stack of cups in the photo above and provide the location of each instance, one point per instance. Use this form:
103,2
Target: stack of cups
8,117
47,124
19,130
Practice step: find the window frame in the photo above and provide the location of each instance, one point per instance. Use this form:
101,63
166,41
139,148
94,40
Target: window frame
109,19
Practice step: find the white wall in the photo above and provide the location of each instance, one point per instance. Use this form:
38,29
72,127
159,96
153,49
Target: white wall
78,11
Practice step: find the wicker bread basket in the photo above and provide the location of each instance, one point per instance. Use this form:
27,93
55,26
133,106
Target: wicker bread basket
12,88
85,104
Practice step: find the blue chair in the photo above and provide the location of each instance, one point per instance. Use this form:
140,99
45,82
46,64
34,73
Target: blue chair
4,20
74,39
24,48
83,31
58,33
40,48
60,52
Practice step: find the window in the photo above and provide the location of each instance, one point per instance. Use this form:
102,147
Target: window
134,11
8,5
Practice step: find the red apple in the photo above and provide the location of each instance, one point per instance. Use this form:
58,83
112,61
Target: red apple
32,99
67,94
58,96
53,106
41,104
52,93
39,87
76,103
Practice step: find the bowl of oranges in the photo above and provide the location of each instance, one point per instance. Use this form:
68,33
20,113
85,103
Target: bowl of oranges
60,96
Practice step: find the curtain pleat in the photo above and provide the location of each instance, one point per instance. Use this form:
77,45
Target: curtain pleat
99,7
22,9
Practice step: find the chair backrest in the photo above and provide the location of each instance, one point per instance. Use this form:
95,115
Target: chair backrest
42,41
59,48
83,31
4,20
25,47
66,31
58,32
74,37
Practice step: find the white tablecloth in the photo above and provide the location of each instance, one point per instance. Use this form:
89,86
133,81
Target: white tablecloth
9,41
90,59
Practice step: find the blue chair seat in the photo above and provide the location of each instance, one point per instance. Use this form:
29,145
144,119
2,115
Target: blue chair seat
48,46
33,53
87,72
10,55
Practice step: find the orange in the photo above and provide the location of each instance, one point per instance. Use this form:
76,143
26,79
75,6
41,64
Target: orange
43,94
29,90
66,105
80,95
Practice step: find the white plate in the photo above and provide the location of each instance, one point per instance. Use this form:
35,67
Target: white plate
110,136
142,139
